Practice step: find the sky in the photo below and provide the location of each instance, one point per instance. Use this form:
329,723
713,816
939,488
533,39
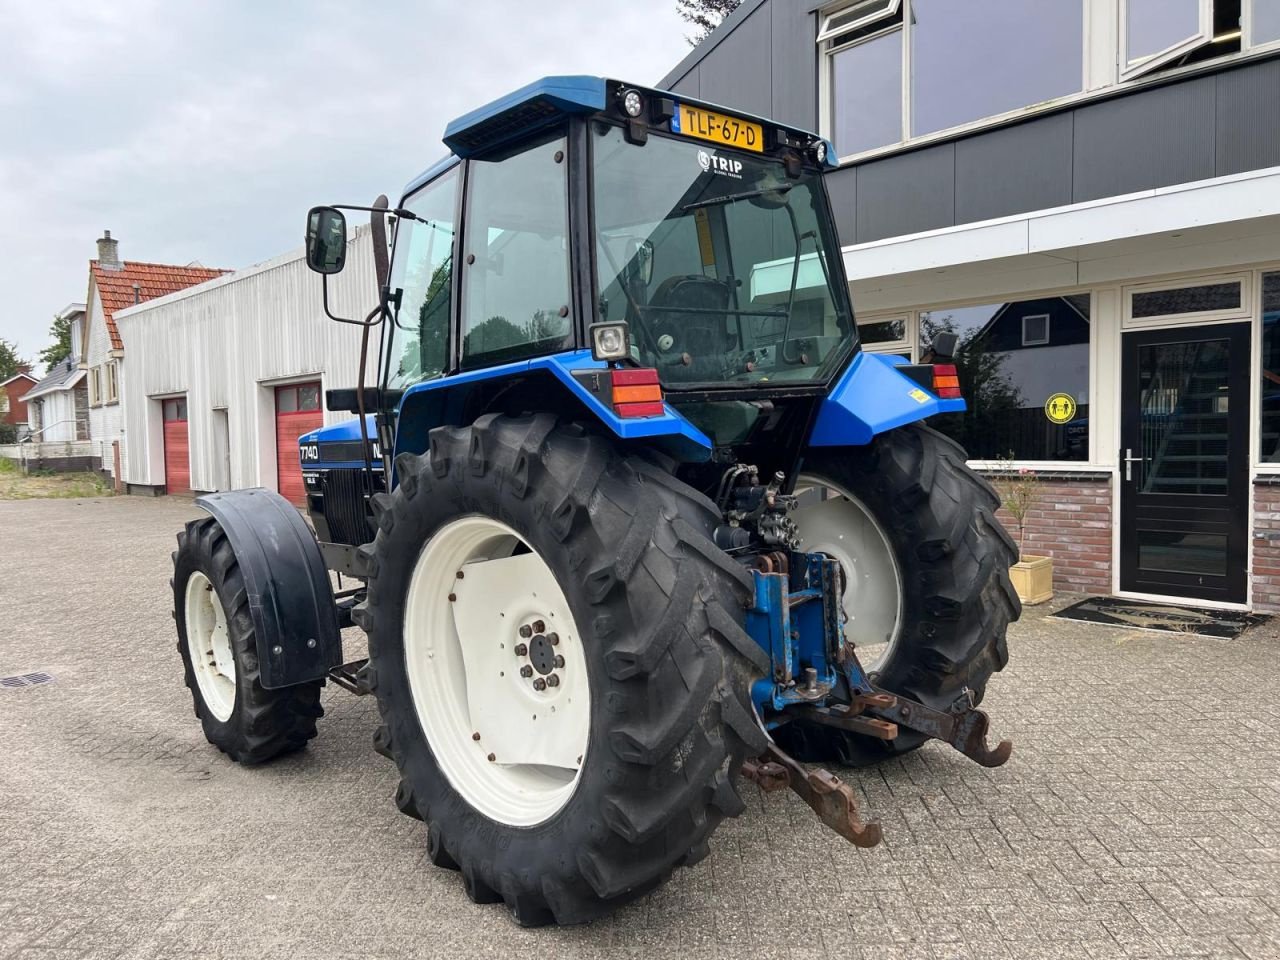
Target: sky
202,132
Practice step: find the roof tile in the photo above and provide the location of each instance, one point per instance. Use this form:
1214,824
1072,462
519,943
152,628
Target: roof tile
116,290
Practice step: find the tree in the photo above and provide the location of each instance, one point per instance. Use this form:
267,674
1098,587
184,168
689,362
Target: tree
10,362
706,15
60,333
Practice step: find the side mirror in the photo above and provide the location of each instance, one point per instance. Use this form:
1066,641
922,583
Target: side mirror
326,240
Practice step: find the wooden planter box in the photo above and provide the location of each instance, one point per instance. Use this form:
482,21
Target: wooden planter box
1033,579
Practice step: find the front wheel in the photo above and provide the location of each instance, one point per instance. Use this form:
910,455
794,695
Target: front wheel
219,650
928,599
557,650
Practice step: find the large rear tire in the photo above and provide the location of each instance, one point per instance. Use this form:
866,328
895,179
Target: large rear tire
929,597
219,649
506,532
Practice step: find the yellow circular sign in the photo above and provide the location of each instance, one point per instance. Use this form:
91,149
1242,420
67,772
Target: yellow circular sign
1060,408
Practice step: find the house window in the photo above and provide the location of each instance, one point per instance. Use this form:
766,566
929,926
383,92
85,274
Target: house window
95,386
113,383
175,409
1264,21
1007,382
1196,300
1269,382
983,58
1035,330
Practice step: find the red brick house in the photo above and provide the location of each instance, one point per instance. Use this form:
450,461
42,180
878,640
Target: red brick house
13,410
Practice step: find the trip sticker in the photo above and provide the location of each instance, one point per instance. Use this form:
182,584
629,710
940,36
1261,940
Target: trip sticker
1060,408
725,166
919,396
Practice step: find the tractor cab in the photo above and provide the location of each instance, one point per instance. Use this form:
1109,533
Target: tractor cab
670,266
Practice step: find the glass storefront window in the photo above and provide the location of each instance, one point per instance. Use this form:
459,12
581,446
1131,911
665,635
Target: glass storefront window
1270,366
1017,387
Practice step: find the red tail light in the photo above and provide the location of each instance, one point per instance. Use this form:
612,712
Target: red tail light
946,381
637,393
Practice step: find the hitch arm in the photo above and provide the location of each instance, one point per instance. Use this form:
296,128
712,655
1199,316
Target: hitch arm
832,799
965,729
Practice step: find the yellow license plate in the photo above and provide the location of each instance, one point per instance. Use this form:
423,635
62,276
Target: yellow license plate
718,128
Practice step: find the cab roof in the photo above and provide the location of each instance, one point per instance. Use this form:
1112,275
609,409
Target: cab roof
545,101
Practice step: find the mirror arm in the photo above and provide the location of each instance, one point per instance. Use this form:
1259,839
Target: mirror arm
378,226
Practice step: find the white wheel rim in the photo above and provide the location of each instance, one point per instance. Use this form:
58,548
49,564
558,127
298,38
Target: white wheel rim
835,522
209,646
471,593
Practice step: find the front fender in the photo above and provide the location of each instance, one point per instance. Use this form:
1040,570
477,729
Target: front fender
872,397
290,599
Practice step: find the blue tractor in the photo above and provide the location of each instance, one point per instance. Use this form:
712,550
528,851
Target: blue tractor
627,518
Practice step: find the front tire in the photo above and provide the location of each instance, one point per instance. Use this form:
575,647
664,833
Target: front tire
219,650
648,613
929,591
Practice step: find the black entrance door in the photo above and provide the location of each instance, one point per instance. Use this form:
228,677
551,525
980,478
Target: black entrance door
1184,470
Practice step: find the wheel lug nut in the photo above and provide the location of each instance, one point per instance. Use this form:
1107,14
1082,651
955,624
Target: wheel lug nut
553,680
559,661
526,632
553,639
526,671
539,627
492,758
539,684
521,650
475,736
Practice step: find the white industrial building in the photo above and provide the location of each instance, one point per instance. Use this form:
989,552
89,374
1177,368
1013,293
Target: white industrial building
226,375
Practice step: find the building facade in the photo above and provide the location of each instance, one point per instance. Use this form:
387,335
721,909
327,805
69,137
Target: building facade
114,285
225,377
13,410
58,406
1088,194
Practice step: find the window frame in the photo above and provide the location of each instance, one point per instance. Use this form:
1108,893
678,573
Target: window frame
113,382
889,8
906,344
1246,31
1101,71
1129,70
571,133
95,386
1243,312
1048,337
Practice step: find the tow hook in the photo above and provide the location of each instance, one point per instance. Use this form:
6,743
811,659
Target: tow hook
831,798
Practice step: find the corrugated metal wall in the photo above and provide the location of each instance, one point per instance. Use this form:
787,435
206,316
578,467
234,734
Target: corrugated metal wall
225,346
1194,129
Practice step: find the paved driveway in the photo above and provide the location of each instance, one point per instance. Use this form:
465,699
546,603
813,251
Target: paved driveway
1139,816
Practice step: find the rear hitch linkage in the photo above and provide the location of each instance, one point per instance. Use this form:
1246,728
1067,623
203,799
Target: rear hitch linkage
834,801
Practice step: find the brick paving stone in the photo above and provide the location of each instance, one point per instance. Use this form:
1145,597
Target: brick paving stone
1139,816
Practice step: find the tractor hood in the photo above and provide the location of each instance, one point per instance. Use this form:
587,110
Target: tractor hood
338,446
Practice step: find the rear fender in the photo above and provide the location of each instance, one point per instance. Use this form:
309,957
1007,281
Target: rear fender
872,397
290,599
443,402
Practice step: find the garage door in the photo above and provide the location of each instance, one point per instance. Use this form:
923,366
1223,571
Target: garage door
177,452
297,412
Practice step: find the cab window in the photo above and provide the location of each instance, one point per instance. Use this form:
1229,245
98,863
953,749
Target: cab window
515,267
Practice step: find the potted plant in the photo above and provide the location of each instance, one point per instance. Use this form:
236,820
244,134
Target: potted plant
1019,491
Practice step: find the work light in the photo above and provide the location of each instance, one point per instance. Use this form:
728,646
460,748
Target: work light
632,103
610,341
